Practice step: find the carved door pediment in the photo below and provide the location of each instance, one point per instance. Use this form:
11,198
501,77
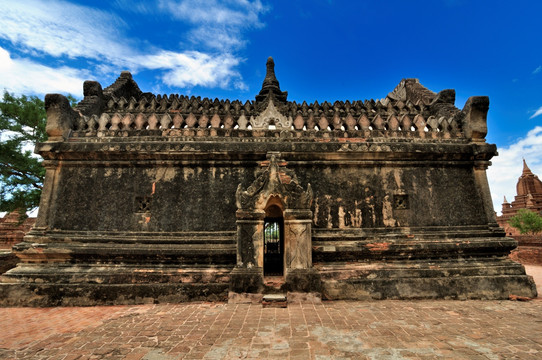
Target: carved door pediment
274,180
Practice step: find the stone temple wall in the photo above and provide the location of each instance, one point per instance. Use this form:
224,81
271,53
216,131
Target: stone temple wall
173,196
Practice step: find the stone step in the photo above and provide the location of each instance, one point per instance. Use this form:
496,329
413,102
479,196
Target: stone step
81,253
274,300
115,274
273,283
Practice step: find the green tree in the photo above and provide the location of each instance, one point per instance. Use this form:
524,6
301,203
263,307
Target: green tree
527,222
22,125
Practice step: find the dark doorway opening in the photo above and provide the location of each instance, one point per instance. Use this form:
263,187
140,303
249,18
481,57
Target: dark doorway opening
273,246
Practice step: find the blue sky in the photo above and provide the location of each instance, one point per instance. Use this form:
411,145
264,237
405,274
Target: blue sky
323,50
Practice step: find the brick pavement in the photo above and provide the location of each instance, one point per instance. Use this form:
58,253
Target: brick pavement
536,272
340,330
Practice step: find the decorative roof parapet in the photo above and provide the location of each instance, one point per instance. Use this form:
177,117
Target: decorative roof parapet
475,120
124,86
61,118
94,100
410,110
411,90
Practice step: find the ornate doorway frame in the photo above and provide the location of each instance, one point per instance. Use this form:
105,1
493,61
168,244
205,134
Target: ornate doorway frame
275,186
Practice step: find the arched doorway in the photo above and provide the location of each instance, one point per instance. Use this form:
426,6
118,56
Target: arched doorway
274,231
273,249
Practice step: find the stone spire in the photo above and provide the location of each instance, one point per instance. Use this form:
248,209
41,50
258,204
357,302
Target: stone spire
270,86
270,81
528,182
505,205
526,170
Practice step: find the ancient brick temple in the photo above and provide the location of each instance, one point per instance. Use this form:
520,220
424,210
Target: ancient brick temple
529,196
173,198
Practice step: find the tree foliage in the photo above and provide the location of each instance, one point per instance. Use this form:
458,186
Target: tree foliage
527,222
22,125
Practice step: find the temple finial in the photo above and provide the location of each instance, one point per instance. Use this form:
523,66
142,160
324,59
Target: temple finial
270,75
270,81
271,84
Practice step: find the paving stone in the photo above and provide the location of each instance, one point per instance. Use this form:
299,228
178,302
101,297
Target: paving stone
373,330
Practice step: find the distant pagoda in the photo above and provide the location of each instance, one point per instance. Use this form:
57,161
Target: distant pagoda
529,196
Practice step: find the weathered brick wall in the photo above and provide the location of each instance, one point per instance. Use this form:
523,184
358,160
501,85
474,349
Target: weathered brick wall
12,230
529,250
201,197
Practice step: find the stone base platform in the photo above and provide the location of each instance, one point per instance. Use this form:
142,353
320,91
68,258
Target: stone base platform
88,285
42,295
73,269
460,279
393,280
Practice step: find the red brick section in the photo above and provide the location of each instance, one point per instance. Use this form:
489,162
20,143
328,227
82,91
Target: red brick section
342,329
12,230
529,250
527,255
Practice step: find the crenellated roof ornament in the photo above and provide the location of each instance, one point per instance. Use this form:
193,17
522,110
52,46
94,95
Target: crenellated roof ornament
409,111
124,86
412,90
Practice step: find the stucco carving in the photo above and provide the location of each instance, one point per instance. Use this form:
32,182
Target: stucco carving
274,180
271,116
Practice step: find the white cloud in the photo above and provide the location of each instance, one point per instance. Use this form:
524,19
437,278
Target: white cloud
58,28
537,70
507,167
141,7
218,24
239,13
223,40
23,76
193,68
63,30
537,113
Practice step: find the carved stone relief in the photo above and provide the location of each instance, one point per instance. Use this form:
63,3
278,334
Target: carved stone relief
298,247
271,116
367,212
274,180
